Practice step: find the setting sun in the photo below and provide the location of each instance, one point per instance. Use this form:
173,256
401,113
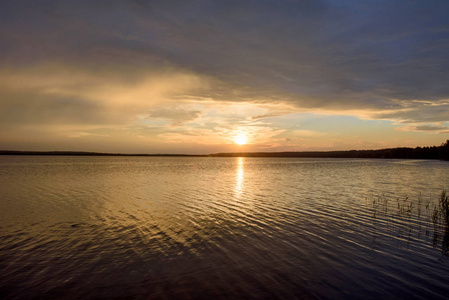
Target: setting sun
241,139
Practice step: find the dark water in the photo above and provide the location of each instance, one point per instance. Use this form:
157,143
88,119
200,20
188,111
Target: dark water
202,228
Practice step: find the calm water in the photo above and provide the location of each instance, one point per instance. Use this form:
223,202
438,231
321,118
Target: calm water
251,228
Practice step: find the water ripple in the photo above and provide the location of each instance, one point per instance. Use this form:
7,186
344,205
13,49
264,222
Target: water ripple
165,228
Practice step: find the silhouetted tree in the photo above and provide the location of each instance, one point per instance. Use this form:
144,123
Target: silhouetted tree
444,151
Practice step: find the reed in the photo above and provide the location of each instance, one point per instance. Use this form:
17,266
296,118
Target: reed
407,216
444,207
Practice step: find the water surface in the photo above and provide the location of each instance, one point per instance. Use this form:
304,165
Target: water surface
252,228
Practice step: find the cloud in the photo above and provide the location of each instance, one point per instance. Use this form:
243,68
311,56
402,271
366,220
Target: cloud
85,134
81,66
268,115
64,94
312,54
178,116
417,112
431,128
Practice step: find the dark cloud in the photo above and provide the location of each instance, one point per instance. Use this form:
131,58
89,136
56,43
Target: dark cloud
430,128
421,113
339,55
264,116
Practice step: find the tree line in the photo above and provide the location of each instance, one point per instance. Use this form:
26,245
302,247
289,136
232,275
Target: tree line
433,152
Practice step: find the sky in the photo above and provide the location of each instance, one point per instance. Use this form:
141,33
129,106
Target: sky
201,77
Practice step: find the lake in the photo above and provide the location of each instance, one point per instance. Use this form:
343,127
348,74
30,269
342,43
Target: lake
208,228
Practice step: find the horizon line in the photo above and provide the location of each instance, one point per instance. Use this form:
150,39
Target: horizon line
322,153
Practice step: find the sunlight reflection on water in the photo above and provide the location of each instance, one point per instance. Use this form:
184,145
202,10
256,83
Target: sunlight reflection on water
239,176
164,227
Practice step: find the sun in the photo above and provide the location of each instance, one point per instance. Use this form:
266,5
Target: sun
240,139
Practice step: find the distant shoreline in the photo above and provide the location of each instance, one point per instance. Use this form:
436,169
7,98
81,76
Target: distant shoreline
84,153
434,152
